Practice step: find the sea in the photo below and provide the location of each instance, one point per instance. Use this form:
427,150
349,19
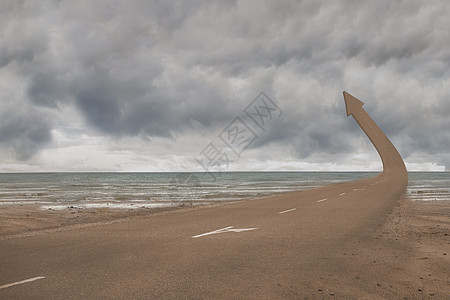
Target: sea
146,190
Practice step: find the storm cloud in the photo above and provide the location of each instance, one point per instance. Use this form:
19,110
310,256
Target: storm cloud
159,70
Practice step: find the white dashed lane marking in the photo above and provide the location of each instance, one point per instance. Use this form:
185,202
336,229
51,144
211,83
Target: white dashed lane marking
286,211
321,200
21,282
358,189
342,194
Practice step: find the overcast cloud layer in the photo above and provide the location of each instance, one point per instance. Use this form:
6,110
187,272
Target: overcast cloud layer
146,85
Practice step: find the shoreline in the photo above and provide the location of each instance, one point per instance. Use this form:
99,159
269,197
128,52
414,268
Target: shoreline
28,218
38,219
386,246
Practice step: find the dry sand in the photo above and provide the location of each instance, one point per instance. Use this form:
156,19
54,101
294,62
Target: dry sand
410,253
31,219
411,250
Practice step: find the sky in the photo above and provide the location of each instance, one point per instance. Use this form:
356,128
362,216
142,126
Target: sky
163,85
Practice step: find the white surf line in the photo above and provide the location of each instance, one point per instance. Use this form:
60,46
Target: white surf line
21,282
321,200
288,210
342,194
223,230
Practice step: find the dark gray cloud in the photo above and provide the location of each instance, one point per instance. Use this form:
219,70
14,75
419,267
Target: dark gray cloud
152,69
23,132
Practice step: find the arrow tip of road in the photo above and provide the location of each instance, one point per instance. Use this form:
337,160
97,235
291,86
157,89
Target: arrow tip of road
351,103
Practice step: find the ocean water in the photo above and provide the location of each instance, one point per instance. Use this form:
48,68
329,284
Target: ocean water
135,190
429,186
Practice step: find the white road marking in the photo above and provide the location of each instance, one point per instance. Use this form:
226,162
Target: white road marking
342,194
285,211
223,230
213,232
241,229
321,200
358,189
21,282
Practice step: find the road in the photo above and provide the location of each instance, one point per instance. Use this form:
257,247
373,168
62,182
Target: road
274,247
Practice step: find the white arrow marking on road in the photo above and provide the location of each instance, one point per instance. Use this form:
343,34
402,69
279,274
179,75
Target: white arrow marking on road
21,282
241,229
223,230
285,211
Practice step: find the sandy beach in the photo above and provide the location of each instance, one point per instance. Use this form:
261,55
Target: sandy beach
397,250
27,220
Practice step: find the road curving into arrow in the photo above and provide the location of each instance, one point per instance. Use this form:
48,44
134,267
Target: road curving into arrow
393,165
303,244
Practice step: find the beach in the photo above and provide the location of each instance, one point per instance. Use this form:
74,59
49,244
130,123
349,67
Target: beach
30,202
364,240
32,219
